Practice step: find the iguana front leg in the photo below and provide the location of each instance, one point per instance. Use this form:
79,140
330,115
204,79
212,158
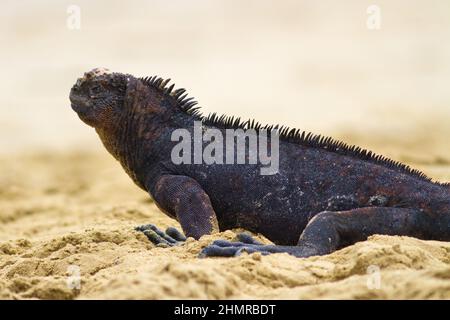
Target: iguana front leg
181,197
329,231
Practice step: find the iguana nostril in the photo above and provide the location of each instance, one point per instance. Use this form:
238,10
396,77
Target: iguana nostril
78,83
78,103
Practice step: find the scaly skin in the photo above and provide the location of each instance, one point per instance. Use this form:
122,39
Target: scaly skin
326,195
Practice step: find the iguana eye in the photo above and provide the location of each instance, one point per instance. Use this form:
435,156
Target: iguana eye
96,89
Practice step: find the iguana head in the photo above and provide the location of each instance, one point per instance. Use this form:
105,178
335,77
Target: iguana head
98,97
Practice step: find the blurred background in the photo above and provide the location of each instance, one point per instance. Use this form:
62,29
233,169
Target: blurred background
315,65
373,73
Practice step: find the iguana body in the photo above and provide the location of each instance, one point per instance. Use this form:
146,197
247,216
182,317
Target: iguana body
325,196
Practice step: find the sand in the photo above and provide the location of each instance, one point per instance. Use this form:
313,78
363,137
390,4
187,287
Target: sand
63,213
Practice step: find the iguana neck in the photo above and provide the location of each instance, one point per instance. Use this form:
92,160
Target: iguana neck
140,136
122,143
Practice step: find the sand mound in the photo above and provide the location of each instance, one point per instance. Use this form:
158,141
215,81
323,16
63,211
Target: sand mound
66,232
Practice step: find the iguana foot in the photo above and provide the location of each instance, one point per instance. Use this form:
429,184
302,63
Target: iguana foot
247,238
224,248
170,238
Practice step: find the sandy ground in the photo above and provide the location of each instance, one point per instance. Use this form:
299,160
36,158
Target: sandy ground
63,213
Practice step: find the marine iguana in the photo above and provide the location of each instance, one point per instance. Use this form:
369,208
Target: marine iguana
325,196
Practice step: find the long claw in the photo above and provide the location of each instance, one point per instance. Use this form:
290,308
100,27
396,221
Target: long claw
222,243
175,234
164,235
247,238
144,227
224,248
216,251
155,238
171,237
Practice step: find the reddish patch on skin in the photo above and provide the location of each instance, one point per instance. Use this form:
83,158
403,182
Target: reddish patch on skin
95,73
146,101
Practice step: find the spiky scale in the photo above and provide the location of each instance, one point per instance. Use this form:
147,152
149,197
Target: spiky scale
164,83
169,89
300,137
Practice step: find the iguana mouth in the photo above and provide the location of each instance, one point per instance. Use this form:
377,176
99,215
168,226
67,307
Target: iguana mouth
79,104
